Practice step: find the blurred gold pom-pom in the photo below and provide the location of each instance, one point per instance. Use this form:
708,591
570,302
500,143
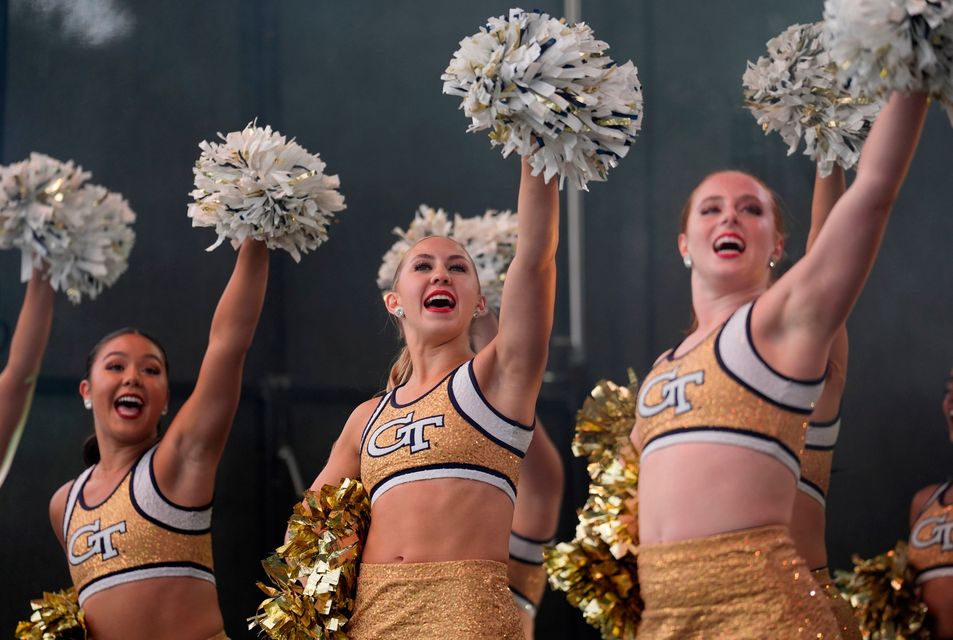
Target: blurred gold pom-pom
883,594
56,616
315,572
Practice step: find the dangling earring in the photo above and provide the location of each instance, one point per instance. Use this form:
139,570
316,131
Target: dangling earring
88,403
772,264
399,312
687,261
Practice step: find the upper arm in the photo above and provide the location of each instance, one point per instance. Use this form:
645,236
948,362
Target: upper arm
197,435
58,510
27,346
802,311
526,310
345,458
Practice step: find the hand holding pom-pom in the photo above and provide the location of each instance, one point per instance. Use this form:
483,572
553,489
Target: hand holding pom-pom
256,184
547,91
794,90
82,231
893,45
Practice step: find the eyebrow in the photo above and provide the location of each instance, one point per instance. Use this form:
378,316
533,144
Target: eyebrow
427,256
744,196
123,354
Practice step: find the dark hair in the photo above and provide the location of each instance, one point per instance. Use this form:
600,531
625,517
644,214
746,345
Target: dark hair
91,445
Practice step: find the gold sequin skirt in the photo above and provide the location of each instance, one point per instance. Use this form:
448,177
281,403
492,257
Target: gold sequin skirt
849,625
743,585
460,600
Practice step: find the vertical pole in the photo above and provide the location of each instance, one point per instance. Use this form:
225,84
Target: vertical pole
576,244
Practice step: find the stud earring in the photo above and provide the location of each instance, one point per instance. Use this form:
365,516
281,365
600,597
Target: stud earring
165,409
772,264
88,403
687,261
476,313
399,312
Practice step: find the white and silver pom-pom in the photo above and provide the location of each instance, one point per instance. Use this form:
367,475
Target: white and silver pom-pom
427,222
547,91
256,184
893,45
795,91
81,231
490,240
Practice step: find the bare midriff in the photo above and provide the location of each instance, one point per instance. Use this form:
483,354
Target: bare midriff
694,490
808,529
439,520
938,596
157,608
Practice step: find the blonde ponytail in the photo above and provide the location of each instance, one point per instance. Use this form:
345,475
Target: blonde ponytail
401,369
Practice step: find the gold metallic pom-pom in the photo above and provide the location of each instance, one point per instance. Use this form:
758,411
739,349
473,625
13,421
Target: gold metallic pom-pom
56,616
606,419
603,587
597,570
315,572
884,596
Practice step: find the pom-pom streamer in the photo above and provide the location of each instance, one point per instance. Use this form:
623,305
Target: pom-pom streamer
547,91
315,572
598,569
893,45
82,232
56,616
883,594
795,91
256,184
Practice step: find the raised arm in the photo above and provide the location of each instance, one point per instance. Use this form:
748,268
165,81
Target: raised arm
517,356
193,445
18,379
801,313
827,191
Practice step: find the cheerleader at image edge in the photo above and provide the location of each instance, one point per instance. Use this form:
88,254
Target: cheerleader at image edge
930,549
440,452
721,417
135,525
18,379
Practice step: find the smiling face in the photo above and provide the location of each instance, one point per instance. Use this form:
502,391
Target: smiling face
948,405
128,387
437,288
731,230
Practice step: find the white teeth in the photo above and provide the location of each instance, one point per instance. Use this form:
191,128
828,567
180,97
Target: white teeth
133,400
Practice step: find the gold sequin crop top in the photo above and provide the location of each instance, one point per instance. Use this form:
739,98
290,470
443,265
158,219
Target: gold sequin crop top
817,459
451,431
723,392
930,551
135,534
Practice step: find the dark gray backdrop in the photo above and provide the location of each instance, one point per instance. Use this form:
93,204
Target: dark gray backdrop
359,83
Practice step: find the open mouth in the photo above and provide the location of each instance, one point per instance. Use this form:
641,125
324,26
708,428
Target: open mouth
129,406
729,245
440,302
